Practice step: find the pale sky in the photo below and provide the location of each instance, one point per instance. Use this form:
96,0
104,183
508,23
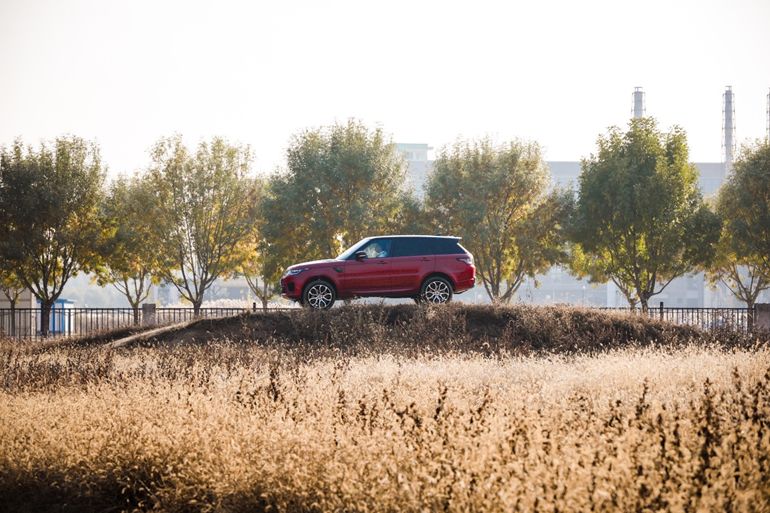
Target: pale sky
558,72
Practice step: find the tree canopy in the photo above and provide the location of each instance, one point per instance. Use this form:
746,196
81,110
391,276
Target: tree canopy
342,183
10,285
640,219
253,266
204,207
131,260
744,278
741,261
497,198
744,202
49,204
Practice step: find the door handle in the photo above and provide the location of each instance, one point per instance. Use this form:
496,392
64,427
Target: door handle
425,259
382,262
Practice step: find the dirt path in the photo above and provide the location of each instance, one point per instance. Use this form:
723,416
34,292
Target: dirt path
147,334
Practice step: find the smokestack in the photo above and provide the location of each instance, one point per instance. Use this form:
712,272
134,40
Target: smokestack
728,128
639,107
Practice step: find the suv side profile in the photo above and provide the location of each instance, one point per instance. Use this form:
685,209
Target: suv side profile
422,267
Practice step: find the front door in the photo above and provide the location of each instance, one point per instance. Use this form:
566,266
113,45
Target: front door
369,276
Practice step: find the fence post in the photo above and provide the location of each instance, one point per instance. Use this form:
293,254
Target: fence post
661,310
762,316
254,307
148,314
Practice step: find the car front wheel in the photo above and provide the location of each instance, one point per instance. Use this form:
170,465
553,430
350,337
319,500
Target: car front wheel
436,290
319,295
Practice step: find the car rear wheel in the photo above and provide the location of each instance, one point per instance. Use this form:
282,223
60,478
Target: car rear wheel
319,295
436,290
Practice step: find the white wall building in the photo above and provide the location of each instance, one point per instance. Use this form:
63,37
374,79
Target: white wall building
418,165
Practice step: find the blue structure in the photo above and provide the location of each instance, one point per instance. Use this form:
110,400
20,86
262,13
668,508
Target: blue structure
58,321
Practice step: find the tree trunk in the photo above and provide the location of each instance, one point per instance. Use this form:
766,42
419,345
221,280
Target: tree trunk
493,290
135,308
264,297
197,307
13,318
45,317
643,301
750,315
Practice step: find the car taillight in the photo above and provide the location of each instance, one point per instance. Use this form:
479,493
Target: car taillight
466,259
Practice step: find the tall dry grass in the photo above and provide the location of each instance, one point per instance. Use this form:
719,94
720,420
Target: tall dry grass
245,426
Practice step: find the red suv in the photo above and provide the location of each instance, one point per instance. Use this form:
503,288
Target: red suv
421,267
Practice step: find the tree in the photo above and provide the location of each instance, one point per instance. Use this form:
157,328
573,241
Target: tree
744,202
742,262
640,216
342,183
131,260
497,198
742,277
49,199
254,265
204,206
11,287
264,285
411,217
593,267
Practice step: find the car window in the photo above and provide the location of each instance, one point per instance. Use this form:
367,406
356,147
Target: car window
411,246
377,248
348,253
446,247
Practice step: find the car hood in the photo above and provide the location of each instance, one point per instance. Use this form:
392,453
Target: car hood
315,263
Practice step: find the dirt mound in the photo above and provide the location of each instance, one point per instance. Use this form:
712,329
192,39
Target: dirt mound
410,328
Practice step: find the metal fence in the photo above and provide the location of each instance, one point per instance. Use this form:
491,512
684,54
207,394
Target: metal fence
740,319
25,323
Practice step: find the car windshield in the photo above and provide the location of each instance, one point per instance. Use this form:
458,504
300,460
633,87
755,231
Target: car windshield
352,249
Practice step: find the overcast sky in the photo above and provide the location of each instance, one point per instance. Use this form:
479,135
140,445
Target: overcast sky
559,72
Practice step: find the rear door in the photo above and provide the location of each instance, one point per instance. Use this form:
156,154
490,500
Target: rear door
447,251
412,260
369,276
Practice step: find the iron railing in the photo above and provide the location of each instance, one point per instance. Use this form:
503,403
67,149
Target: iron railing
741,319
25,323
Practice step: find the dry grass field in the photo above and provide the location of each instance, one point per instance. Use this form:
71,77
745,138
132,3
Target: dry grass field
678,423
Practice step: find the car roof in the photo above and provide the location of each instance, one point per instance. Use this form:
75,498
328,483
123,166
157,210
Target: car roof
451,237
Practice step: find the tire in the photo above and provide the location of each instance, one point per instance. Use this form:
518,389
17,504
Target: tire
436,290
319,295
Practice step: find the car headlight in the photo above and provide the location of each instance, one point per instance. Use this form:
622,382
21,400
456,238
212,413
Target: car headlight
293,272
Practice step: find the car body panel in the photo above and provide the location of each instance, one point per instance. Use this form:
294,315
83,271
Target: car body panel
409,272
366,277
387,273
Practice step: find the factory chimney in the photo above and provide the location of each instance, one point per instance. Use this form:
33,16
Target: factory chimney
639,107
728,128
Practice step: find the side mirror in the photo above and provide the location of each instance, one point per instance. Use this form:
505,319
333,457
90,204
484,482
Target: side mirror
360,255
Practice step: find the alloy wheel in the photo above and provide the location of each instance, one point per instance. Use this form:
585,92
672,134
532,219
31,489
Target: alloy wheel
320,296
437,291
